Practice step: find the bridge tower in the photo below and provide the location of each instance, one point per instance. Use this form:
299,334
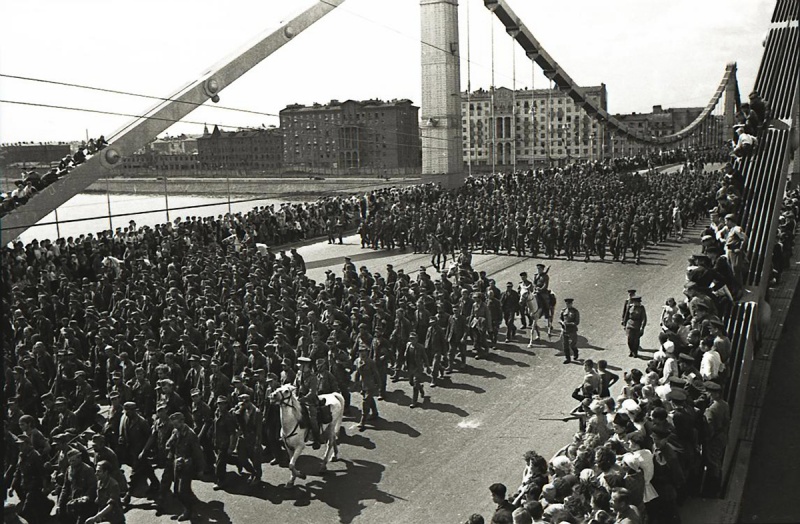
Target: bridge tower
440,111
731,99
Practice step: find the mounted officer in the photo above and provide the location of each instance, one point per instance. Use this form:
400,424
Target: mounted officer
541,287
307,388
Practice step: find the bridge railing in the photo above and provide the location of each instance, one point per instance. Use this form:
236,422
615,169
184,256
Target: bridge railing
764,176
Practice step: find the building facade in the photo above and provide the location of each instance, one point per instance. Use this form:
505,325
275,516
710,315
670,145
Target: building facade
528,128
369,134
662,122
246,149
36,154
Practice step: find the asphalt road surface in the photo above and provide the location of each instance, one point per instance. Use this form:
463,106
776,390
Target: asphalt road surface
435,464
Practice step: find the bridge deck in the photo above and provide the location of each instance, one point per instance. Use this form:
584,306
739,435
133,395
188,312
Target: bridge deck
435,464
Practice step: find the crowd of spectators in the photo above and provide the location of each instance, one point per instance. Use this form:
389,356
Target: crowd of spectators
32,182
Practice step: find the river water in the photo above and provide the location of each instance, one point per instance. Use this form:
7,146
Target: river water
147,209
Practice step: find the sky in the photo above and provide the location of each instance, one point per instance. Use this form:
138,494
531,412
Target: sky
647,53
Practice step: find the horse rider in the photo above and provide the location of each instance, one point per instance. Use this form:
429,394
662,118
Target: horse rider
541,287
307,386
570,319
525,287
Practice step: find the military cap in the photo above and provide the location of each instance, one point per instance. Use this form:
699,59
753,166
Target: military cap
177,416
539,265
244,397
631,291
303,360
129,405
194,392
677,395
113,394
636,299
569,300
222,399
523,274
712,386
73,452
161,406
61,401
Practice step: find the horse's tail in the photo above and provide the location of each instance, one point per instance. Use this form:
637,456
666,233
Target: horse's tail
337,417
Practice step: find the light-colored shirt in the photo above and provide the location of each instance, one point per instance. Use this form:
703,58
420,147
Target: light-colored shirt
711,365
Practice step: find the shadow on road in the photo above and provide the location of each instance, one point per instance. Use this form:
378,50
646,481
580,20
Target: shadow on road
449,384
500,359
346,491
365,255
356,440
212,512
480,372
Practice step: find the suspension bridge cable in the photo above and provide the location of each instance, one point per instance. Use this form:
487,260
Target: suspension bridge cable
167,99
405,34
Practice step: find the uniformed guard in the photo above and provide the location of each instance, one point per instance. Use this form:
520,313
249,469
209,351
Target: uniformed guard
631,294
307,389
570,319
635,324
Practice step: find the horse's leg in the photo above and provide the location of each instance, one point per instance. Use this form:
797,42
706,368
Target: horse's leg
330,440
536,326
295,473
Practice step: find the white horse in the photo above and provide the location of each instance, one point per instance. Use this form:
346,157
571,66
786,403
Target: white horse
294,436
534,305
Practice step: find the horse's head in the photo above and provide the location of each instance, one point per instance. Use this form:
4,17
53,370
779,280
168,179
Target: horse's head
283,395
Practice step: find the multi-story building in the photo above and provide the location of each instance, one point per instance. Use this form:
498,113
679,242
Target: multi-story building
246,149
663,122
33,154
369,134
174,145
526,128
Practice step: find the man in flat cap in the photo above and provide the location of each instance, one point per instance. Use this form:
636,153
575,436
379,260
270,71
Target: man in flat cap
28,482
202,424
224,435
188,461
134,431
249,434
76,502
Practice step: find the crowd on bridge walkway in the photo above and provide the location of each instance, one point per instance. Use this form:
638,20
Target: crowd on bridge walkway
156,348
32,182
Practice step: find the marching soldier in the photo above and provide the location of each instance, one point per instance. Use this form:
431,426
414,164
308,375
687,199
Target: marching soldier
188,458
224,430
369,383
570,319
28,482
635,324
509,302
416,363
